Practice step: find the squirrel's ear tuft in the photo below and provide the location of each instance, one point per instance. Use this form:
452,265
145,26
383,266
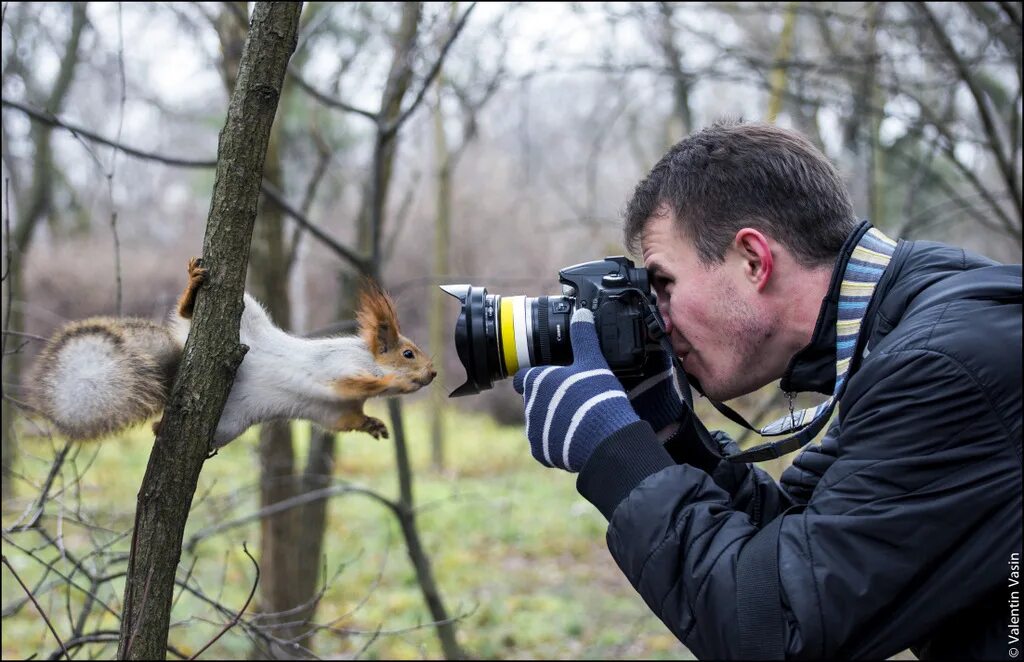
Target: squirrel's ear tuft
378,323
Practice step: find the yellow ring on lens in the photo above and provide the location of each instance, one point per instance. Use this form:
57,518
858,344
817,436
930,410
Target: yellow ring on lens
508,337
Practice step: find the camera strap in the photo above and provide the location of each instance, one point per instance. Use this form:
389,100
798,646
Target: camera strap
863,271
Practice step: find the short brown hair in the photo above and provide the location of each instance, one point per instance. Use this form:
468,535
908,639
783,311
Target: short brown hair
733,175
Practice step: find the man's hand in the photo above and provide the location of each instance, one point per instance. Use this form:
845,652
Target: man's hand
571,409
657,396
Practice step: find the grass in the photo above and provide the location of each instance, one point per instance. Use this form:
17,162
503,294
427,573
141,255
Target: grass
519,556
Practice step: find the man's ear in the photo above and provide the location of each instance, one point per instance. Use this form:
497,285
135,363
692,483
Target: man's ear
378,322
753,249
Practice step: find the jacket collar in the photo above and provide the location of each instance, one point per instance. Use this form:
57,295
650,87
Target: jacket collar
813,368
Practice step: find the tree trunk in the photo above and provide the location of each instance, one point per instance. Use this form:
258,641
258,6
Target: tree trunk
442,232
280,539
212,352
782,55
680,123
406,513
323,444
875,160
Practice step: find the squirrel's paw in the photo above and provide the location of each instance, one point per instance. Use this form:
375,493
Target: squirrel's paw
196,271
374,427
197,274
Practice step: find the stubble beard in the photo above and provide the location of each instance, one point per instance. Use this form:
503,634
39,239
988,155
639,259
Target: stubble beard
746,332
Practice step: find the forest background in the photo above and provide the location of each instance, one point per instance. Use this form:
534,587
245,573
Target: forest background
424,143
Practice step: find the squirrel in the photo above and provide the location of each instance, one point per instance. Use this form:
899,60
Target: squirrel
99,376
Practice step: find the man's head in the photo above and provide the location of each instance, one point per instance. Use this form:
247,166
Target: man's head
740,225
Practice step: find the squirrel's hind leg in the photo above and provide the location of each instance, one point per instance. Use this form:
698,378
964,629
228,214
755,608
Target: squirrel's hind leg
196,277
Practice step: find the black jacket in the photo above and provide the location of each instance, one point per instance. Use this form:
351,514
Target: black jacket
898,527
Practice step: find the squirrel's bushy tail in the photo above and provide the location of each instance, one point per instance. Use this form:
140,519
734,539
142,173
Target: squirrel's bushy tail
101,375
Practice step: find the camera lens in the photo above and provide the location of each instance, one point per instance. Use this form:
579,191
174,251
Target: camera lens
496,336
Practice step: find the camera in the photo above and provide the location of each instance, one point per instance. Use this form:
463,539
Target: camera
495,336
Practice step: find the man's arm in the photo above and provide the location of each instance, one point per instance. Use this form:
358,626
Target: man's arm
751,490
911,524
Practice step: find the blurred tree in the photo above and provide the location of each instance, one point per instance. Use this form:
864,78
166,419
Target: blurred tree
681,118
33,195
476,88
281,588
928,97
212,354
388,122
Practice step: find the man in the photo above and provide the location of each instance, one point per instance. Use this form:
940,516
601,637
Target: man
896,530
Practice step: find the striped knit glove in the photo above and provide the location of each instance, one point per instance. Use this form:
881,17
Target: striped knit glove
571,409
658,397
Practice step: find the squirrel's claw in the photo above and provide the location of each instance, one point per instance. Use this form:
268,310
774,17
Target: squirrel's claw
375,428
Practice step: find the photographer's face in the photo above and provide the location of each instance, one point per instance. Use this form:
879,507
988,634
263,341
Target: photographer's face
715,316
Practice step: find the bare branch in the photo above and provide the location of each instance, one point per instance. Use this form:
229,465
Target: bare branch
287,504
53,120
988,122
357,261
1012,9
268,189
238,616
394,126
38,608
329,101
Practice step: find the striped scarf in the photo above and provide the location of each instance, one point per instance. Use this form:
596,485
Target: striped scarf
864,269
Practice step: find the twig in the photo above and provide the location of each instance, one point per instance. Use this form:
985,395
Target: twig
52,120
20,334
327,100
397,124
38,608
38,506
24,405
107,636
282,506
49,565
277,197
1002,158
7,266
272,193
113,160
238,616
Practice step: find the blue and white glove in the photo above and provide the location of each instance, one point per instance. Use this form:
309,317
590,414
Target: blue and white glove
571,409
657,396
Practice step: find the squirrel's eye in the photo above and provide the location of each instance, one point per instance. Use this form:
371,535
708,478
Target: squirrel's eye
408,354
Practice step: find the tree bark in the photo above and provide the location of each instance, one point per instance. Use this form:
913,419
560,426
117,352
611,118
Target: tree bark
212,352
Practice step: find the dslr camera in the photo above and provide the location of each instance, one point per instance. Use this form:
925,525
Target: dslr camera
496,336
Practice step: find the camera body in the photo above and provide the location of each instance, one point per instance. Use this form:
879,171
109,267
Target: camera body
495,336
619,296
